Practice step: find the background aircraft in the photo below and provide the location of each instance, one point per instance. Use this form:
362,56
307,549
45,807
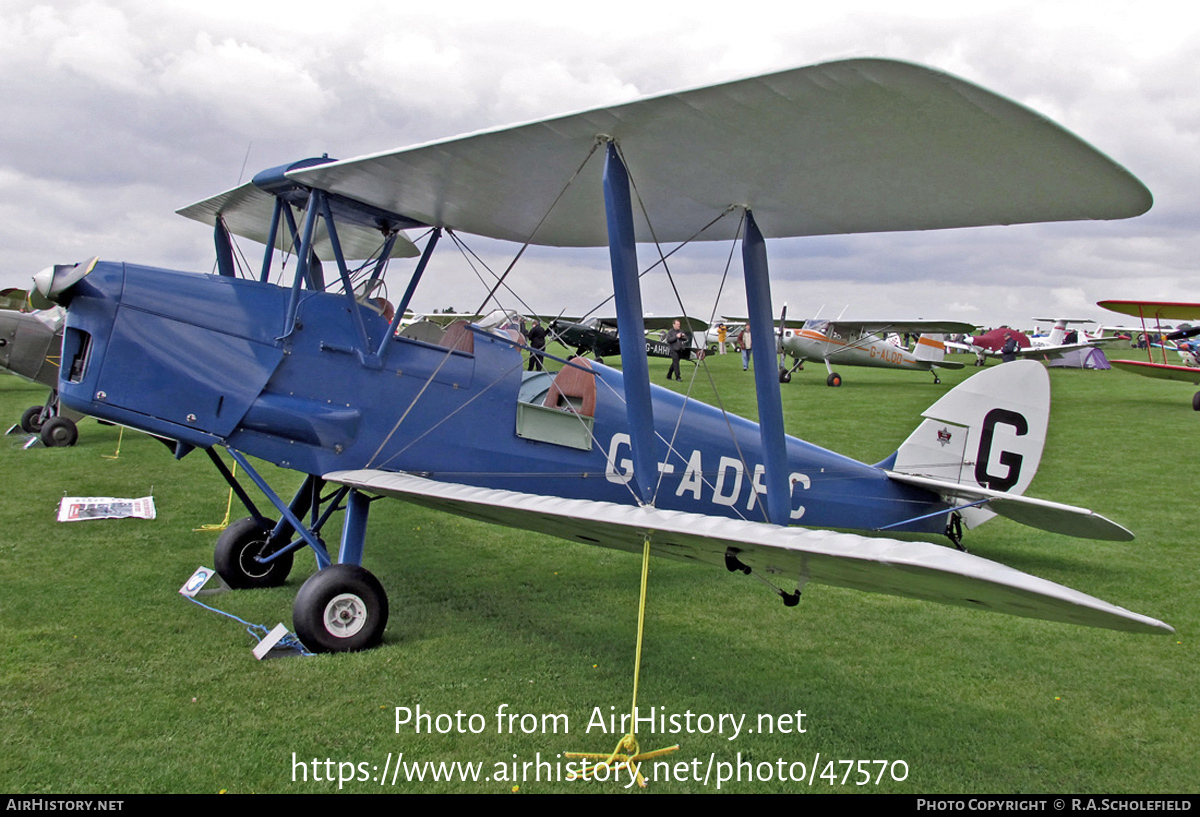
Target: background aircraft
1158,311
314,381
1054,345
866,343
599,336
30,347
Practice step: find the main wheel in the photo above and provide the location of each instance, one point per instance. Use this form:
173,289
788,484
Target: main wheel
785,376
1196,401
834,379
234,556
31,420
342,608
59,432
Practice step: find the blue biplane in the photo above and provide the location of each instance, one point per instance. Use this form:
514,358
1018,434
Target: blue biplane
313,377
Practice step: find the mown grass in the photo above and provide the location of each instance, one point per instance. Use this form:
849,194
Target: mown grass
112,682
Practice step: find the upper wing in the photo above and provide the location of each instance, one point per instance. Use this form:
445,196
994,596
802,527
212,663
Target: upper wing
247,211
1156,310
913,569
1163,371
861,145
656,322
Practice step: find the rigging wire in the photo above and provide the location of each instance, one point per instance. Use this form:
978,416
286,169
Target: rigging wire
679,300
529,240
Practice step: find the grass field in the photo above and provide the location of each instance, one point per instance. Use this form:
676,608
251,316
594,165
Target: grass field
112,682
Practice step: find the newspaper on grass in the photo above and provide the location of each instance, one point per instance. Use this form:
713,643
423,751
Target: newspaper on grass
79,508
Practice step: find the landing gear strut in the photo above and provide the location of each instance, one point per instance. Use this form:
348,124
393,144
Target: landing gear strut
340,608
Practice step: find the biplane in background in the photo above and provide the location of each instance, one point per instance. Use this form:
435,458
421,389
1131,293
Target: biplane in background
599,336
865,343
305,376
1159,311
30,344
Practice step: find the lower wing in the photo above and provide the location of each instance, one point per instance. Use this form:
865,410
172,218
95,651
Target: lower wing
1163,371
913,569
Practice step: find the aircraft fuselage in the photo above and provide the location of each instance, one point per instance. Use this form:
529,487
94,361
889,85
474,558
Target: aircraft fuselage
208,360
873,352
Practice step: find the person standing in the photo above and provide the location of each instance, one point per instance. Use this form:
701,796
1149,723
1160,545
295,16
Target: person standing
744,342
675,342
1008,353
537,346
722,334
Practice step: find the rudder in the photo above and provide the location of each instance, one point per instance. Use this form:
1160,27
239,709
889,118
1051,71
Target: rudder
989,431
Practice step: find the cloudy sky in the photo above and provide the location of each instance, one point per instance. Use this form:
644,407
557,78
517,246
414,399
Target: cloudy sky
118,112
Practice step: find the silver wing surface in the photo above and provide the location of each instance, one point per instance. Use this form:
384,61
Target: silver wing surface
1069,520
247,211
911,569
862,145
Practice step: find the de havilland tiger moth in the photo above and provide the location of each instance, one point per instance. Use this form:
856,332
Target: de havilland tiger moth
308,377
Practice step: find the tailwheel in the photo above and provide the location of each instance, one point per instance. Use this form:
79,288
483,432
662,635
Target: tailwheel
342,608
59,432
31,420
235,553
834,379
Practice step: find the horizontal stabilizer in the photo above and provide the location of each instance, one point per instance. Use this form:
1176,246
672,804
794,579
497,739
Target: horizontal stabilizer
1036,513
913,569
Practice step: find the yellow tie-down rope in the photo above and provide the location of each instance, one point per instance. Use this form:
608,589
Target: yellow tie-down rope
116,455
224,523
628,753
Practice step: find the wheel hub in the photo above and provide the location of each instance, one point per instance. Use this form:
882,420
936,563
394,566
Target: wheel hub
345,615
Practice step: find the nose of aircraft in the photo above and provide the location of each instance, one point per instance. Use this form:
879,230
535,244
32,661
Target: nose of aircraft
50,284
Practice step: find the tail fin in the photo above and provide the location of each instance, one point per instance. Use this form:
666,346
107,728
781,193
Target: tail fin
988,431
930,347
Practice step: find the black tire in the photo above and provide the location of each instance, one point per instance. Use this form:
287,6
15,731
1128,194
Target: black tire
1196,401
59,432
834,380
342,608
31,420
234,556
785,376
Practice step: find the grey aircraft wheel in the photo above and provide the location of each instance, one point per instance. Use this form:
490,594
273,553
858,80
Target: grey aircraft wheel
342,608
31,420
834,379
234,556
59,432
